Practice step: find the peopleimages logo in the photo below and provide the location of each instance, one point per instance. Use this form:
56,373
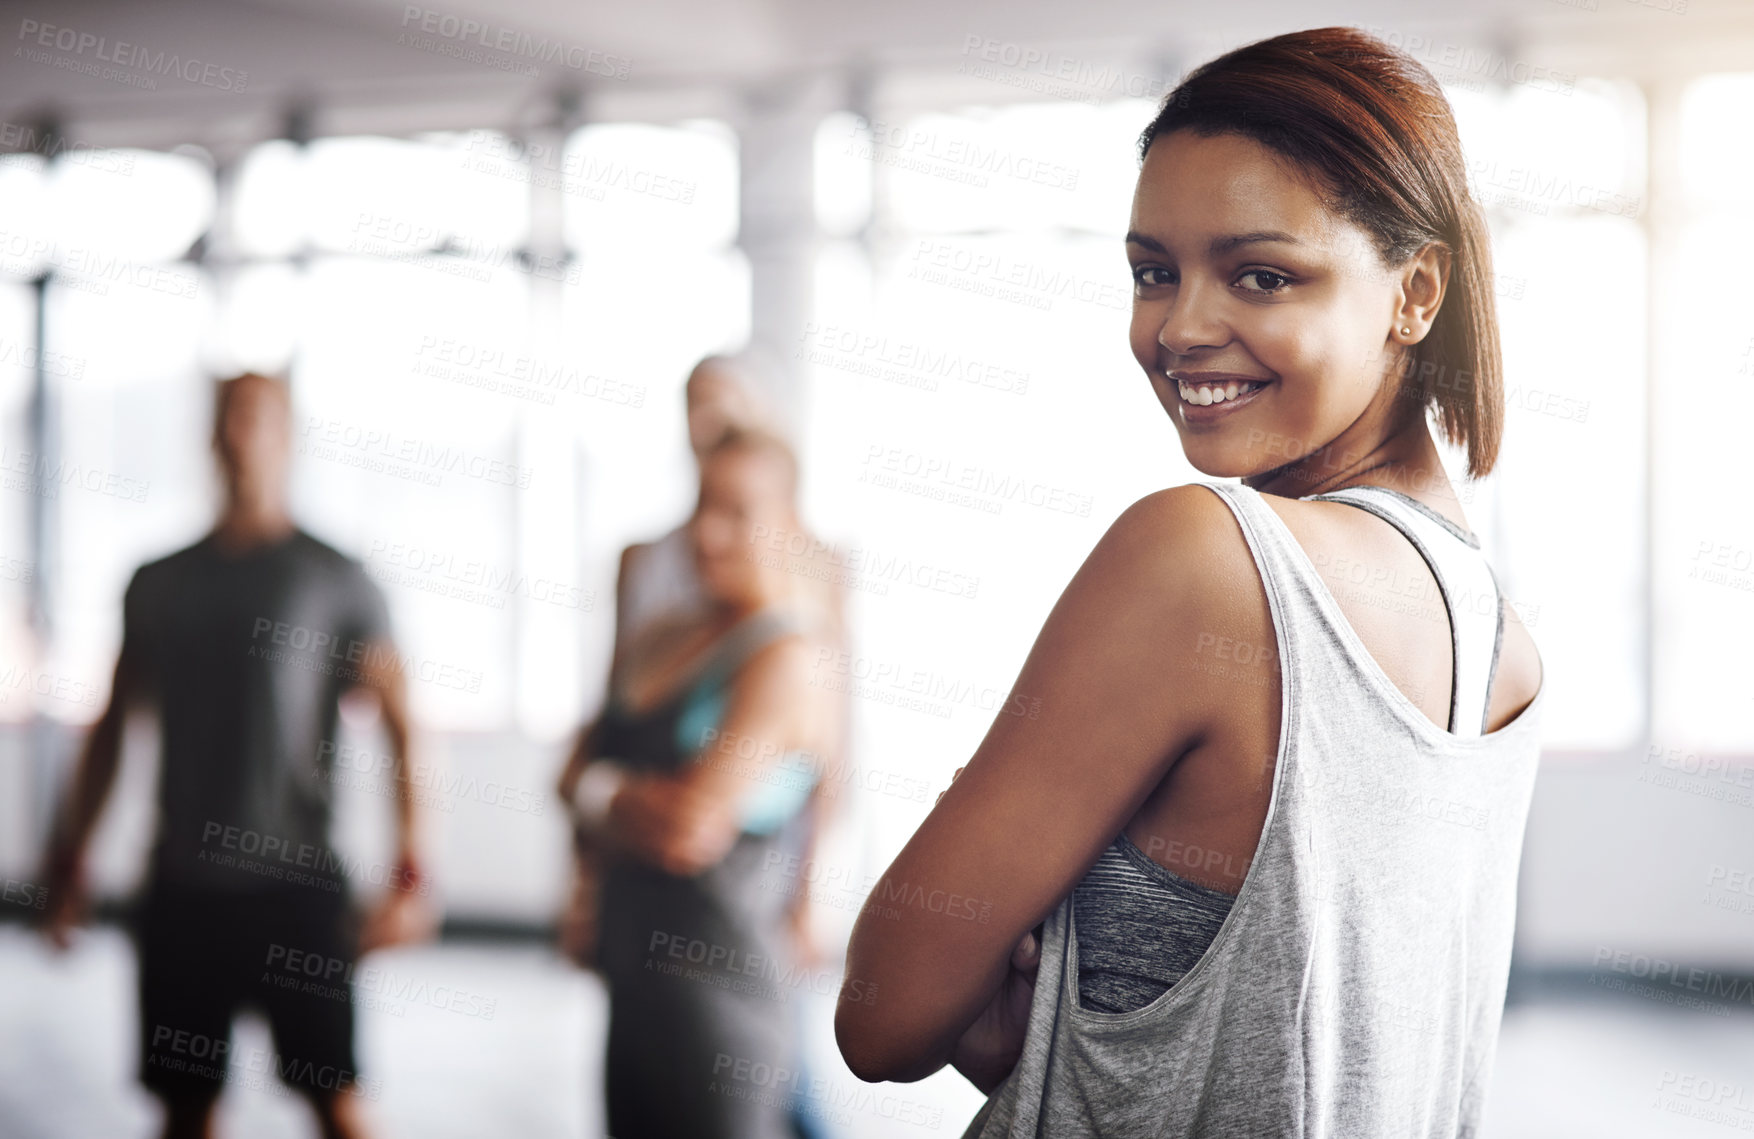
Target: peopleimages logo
996,487
442,572
875,674
1056,73
901,361
857,561
741,1078
28,894
385,452
102,49
301,863
340,759
317,650
318,974
1001,278
913,147
94,271
462,34
725,966
34,474
1656,971
40,140
208,1057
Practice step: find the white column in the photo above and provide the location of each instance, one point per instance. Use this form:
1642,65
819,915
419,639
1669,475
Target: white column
1663,219
777,226
549,655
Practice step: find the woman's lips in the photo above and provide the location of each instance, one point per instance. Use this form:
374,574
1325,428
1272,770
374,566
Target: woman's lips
1205,401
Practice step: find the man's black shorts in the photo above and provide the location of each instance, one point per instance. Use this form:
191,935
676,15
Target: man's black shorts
288,952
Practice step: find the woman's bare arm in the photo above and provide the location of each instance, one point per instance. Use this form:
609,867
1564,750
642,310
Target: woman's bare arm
584,747
1104,715
688,821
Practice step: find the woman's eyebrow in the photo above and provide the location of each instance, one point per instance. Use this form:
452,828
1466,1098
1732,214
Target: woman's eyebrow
1218,245
1258,237
1134,237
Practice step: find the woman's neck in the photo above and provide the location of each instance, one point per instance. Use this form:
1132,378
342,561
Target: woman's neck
1406,460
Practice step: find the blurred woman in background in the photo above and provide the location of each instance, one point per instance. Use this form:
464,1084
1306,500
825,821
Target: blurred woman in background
659,597
692,783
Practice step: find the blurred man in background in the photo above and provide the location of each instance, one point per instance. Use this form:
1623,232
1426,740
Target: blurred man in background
244,644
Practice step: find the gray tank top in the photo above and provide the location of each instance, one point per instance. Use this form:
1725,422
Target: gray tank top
1356,985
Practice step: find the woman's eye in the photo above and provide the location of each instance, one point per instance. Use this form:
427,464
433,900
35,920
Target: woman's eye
1149,276
1266,280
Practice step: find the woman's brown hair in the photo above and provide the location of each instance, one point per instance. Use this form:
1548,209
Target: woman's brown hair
757,440
1374,127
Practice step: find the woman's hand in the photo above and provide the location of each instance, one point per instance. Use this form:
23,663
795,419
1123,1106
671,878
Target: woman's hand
671,824
580,920
989,1049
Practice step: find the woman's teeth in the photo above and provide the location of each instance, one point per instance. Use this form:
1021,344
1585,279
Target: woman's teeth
1206,394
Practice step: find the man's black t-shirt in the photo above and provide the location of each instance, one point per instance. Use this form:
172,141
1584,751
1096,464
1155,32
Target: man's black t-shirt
246,657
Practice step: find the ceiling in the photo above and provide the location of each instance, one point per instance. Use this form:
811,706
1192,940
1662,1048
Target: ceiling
249,67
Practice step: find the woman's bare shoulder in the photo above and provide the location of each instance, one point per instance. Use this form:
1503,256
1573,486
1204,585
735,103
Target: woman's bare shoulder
1185,521
1192,550
1186,532
1204,651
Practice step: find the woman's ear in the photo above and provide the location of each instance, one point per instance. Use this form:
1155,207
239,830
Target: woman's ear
1423,282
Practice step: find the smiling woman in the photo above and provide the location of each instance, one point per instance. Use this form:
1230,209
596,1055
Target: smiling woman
1252,869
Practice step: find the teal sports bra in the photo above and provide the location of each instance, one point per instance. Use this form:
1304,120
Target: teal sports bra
781,791
673,732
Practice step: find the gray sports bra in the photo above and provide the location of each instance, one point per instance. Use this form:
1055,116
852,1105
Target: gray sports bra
1140,927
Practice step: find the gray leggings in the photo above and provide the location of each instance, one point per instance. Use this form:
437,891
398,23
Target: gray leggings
701,986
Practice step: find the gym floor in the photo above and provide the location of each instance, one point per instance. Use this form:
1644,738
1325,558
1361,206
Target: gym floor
1613,1068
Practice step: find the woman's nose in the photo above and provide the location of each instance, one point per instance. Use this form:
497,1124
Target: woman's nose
1190,322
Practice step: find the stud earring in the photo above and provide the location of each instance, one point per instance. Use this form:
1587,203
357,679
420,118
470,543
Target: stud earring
1405,331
